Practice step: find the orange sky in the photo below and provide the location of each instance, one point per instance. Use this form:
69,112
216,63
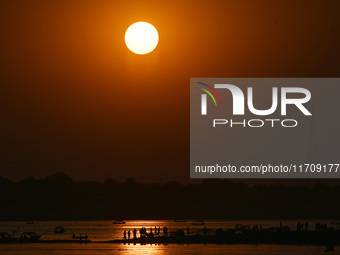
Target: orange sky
75,99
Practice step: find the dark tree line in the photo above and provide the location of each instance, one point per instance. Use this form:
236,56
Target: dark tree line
58,197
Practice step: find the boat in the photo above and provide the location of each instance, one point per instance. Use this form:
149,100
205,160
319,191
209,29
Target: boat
7,238
119,222
29,236
198,222
80,237
59,230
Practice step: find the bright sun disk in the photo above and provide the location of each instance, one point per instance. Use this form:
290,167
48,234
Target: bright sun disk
141,38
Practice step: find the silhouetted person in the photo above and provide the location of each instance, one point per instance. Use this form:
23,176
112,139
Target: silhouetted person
306,226
165,231
134,233
188,231
155,230
205,231
129,233
142,232
125,234
150,230
159,230
298,227
330,247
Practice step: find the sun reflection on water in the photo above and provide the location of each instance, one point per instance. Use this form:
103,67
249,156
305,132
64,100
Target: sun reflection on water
148,249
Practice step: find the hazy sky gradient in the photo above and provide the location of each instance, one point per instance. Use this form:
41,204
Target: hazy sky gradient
75,99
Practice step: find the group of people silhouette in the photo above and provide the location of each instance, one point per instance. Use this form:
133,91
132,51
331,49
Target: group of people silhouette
318,226
301,226
156,231
321,226
143,232
257,227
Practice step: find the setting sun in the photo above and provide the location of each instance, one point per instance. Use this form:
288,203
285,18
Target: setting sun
141,38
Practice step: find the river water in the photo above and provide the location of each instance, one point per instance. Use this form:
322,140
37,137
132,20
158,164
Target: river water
105,230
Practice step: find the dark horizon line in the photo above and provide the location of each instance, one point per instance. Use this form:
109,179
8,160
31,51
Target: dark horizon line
131,180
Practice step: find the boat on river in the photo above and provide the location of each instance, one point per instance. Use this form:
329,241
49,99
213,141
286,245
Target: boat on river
198,222
119,222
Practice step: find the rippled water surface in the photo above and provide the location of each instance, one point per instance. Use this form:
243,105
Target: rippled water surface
105,230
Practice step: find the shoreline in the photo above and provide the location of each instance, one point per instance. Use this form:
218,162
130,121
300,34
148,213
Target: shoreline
276,238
